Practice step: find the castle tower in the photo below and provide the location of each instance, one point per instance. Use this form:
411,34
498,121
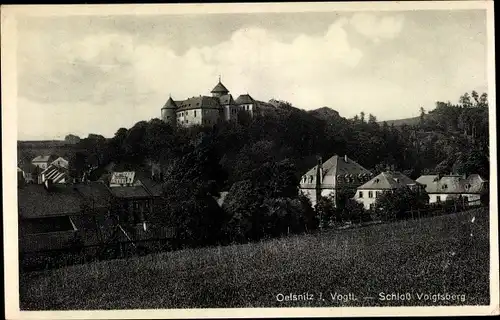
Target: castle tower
168,112
219,90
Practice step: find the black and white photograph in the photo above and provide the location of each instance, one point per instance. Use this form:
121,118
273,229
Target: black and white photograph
249,160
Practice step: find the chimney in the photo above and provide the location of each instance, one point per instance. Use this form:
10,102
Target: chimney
345,158
319,175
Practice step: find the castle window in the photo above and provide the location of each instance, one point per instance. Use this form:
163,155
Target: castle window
361,194
195,113
370,194
310,179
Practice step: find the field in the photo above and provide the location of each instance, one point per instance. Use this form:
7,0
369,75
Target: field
417,258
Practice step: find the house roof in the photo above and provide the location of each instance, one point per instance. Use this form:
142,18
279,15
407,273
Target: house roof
96,192
55,173
130,192
34,201
155,188
58,160
336,167
44,158
474,183
201,102
226,99
389,180
122,178
219,88
170,104
244,99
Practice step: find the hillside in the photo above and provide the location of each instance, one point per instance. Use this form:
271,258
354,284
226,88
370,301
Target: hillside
431,255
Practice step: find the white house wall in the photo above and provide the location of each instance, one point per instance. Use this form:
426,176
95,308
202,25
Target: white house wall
366,200
472,198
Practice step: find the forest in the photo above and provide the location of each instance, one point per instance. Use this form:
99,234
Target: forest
259,161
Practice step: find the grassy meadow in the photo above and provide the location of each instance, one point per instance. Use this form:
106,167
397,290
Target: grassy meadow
434,255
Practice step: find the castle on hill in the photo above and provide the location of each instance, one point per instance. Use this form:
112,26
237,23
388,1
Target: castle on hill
208,110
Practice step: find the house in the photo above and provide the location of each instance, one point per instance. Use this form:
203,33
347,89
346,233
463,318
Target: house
444,187
326,179
55,173
387,181
43,161
29,172
61,162
54,217
133,204
46,217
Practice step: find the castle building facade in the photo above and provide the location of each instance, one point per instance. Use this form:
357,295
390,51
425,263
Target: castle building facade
207,110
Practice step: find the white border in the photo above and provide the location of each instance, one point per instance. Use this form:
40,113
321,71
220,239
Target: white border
9,138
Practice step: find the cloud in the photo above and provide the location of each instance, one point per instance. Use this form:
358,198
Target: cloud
377,28
104,68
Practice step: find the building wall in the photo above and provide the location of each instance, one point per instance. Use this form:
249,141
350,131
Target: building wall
367,197
249,107
169,116
41,165
198,117
230,112
472,198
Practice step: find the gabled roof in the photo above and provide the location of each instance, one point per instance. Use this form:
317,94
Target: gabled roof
55,173
338,167
170,104
34,201
96,193
44,158
244,99
226,99
58,161
201,102
220,88
474,183
389,180
155,188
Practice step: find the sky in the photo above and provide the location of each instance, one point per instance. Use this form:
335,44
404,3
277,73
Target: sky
95,74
